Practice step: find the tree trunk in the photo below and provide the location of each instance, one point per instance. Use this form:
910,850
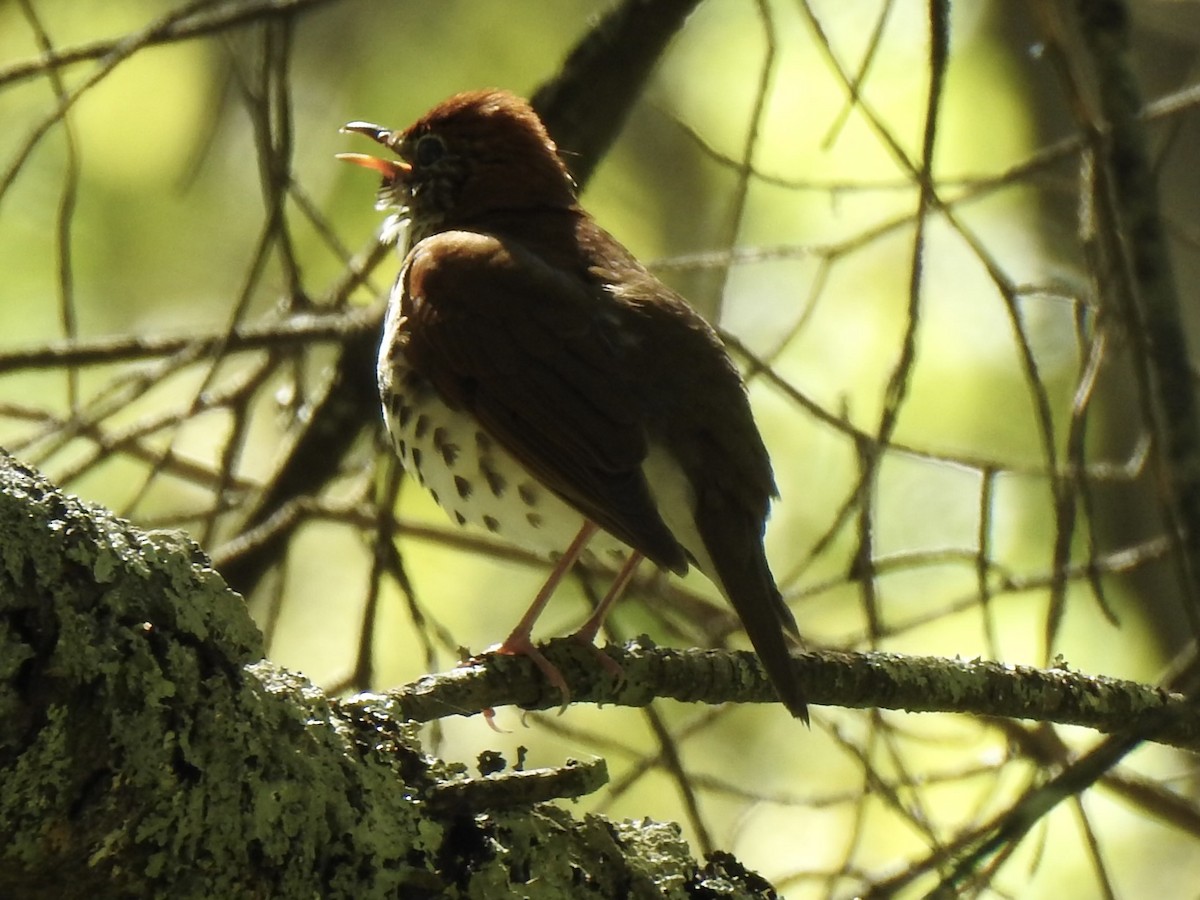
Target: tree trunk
147,749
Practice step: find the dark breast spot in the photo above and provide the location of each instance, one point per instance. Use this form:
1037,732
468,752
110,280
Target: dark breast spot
462,486
495,481
445,446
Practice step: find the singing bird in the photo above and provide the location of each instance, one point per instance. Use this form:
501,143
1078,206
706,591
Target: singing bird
543,385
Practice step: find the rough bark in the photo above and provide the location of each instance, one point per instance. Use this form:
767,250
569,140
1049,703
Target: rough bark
147,749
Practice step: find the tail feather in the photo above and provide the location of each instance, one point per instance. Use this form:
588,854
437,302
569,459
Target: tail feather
735,549
722,533
760,612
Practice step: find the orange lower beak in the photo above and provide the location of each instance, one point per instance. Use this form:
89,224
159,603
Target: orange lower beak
388,168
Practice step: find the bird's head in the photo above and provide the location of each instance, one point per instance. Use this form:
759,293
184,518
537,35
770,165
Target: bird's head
474,154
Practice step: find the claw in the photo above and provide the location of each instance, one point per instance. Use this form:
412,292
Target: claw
489,716
518,645
607,663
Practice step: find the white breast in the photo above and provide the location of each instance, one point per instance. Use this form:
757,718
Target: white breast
470,476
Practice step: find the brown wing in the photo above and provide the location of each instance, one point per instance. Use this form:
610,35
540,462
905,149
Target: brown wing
704,416
535,355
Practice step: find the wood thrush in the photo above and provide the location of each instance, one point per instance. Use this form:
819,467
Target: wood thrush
543,385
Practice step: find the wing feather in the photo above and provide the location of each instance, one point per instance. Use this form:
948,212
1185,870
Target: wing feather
535,355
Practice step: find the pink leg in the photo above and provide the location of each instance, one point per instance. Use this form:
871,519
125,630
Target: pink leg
588,631
520,642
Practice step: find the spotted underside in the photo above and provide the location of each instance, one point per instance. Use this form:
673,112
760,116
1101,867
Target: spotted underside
471,477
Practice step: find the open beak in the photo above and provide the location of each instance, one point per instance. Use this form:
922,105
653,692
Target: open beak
388,168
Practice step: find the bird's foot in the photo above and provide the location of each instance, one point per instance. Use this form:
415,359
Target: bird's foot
588,639
518,644
489,716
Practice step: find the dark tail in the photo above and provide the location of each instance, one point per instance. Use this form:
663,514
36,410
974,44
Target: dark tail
734,544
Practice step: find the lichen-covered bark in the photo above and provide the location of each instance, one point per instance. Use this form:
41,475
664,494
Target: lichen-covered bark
146,749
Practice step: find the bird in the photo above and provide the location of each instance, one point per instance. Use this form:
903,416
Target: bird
543,385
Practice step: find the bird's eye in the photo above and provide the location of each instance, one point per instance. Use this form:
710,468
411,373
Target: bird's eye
430,149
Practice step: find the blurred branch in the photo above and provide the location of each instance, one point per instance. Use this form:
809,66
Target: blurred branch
294,331
197,20
1128,216
1122,216
585,105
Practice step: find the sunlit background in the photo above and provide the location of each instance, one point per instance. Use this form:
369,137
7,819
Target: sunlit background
142,212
